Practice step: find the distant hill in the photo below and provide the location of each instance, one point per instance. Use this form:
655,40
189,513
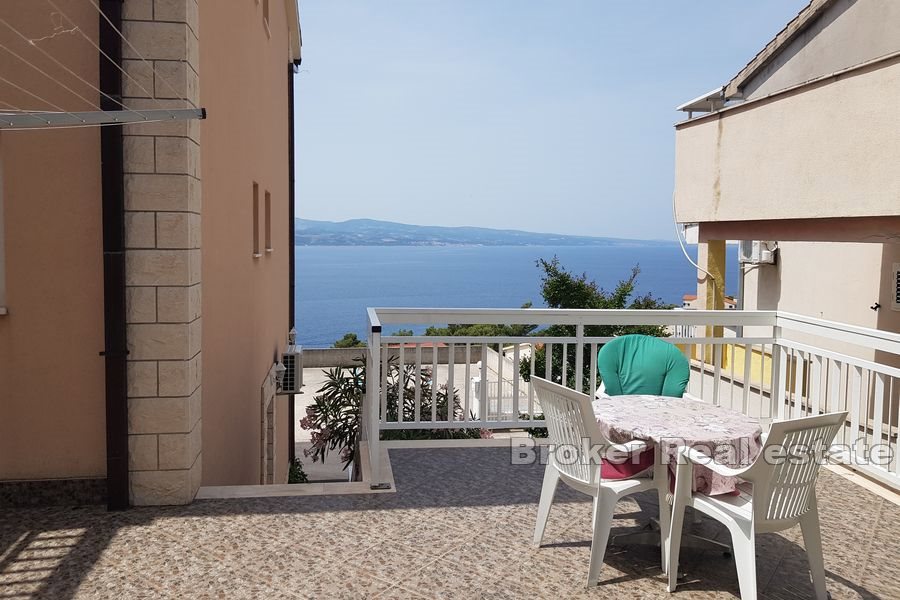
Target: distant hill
369,232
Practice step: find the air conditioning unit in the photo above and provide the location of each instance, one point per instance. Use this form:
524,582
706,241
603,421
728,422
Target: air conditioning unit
755,252
292,359
691,233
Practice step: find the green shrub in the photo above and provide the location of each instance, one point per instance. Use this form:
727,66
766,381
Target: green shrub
535,432
350,340
296,474
334,417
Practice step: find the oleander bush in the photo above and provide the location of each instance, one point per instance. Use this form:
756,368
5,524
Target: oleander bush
334,418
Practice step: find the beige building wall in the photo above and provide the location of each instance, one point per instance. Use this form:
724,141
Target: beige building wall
825,150
244,65
808,160
52,399
52,394
832,281
848,33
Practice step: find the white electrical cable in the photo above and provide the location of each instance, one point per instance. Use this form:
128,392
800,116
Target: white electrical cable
681,242
67,69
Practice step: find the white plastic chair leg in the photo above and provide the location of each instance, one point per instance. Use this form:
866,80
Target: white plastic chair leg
548,489
661,478
812,540
744,549
604,507
683,481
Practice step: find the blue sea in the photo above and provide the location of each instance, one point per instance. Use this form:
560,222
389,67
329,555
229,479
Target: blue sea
335,284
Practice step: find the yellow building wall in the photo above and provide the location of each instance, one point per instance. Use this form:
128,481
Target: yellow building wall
734,354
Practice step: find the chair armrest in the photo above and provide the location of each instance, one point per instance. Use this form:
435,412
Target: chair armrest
686,454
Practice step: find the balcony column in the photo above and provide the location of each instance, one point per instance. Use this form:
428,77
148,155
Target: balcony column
163,245
711,290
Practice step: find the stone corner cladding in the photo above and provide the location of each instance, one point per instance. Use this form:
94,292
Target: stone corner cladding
162,192
156,488
164,341
162,267
163,279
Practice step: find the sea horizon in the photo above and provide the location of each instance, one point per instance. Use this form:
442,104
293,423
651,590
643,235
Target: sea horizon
336,283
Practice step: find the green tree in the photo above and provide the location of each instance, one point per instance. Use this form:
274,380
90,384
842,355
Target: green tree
349,341
404,332
562,289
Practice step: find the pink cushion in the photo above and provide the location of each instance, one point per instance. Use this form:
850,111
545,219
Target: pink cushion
629,468
635,465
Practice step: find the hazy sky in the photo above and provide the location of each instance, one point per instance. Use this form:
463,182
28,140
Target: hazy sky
550,116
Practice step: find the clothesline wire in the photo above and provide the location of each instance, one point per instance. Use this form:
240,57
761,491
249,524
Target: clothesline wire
23,111
39,98
75,27
135,50
50,77
74,126
109,58
67,69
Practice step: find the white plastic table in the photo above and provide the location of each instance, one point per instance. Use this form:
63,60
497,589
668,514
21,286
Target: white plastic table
728,437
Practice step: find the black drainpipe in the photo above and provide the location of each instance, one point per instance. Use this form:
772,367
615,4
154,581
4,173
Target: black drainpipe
292,277
113,199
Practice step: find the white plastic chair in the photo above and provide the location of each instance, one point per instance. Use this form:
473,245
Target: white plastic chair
780,492
570,425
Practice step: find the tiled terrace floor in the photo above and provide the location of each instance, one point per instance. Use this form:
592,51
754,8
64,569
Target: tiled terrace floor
459,526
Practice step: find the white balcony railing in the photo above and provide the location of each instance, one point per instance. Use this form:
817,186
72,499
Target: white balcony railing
781,366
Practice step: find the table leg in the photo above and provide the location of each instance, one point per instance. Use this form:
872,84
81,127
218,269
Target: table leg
649,535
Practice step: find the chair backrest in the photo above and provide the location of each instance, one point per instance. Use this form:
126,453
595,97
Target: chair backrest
784,474
570,425
642,364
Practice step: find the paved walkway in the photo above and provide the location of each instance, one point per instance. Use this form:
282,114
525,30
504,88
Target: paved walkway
459,526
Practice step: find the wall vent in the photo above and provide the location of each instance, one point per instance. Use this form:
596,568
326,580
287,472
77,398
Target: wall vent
895,290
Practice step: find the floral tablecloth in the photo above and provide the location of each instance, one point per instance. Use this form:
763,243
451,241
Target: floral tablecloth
728,437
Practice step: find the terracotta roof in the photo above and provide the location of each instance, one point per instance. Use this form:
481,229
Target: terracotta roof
689,297
804,19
